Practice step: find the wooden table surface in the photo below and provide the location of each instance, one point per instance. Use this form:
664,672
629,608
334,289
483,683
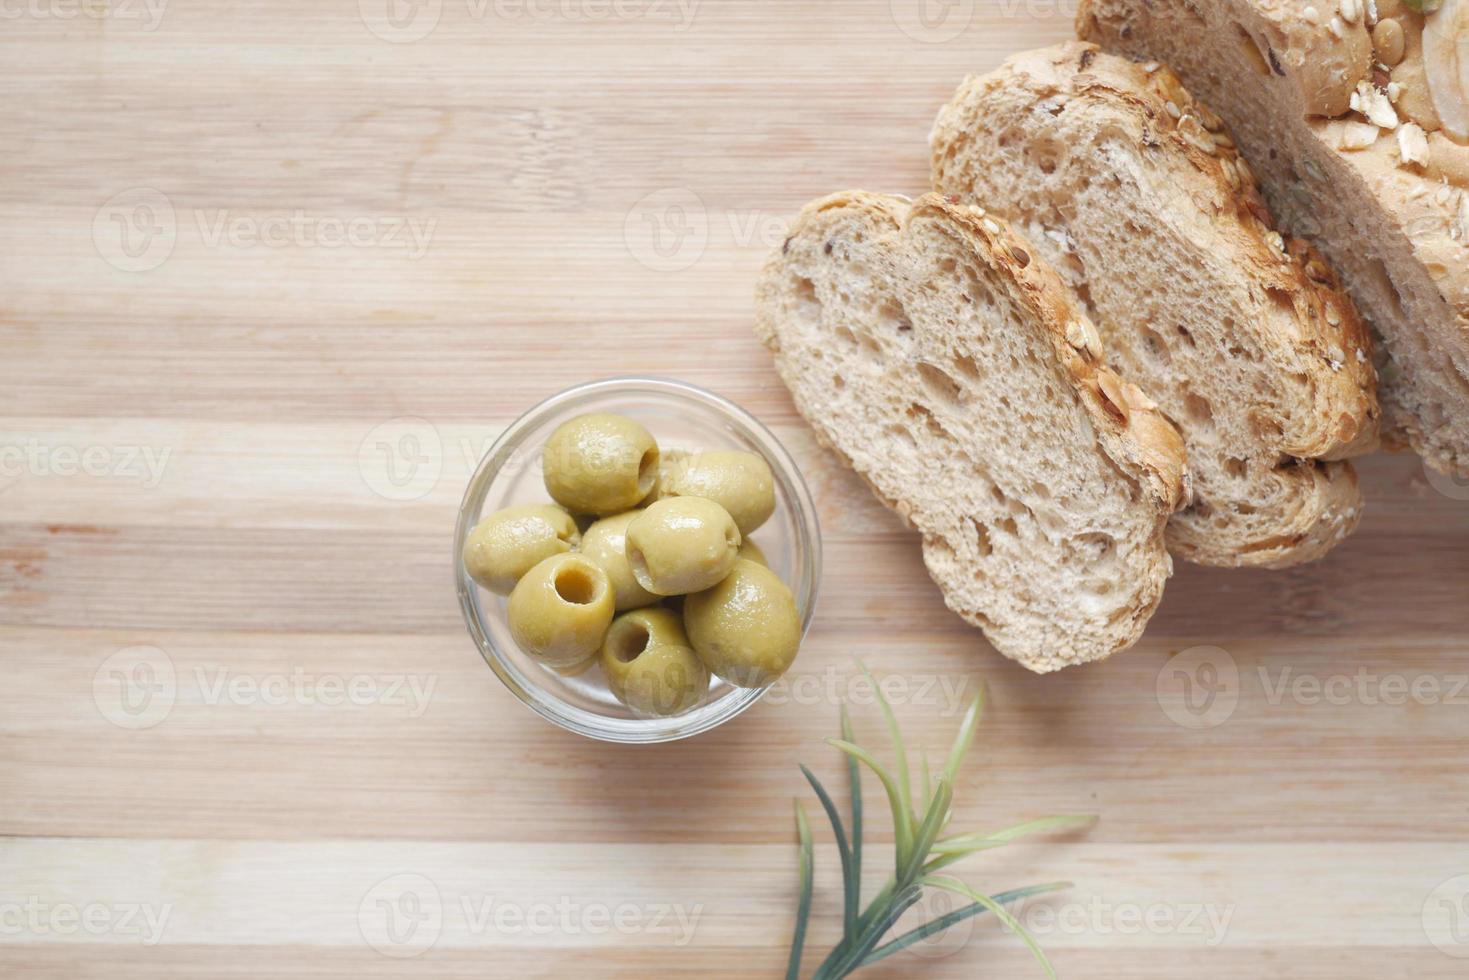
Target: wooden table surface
274,273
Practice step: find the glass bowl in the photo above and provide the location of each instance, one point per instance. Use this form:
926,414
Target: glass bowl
680,416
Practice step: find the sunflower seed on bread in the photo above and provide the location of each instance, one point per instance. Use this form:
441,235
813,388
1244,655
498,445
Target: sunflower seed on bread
1382,210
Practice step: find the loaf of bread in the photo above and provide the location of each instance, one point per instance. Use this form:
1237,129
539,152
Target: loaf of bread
931,348
1354,115
1134,193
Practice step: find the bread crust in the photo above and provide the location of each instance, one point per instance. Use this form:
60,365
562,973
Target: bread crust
1143,447
1326,337
1310,136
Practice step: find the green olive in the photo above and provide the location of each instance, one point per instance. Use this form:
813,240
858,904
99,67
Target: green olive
746,629
600,464
605,543
560,610
739,482
750,551
508,543
681,545
650,666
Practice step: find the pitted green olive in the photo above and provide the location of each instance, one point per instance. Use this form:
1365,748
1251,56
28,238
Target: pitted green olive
510,542
600,464
740,482
650,666
746,629
605,543
560,610
681,545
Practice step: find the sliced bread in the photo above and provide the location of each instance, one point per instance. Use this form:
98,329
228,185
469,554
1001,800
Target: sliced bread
1134,193
1355,118
931,349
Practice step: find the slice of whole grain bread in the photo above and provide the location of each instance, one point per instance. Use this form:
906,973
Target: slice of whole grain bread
930,347
1131,190
1354,120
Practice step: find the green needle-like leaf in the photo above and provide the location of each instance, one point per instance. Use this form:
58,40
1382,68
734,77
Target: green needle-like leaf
890,914
849,880
854,776
1041,826
900,750
803,911
953,918
965,738
902,817
955,849
927,782
1003,914
933,822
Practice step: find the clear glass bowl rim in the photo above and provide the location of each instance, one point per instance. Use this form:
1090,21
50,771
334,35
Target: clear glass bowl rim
807,532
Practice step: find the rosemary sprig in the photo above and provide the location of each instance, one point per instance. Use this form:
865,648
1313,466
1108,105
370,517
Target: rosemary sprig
920,852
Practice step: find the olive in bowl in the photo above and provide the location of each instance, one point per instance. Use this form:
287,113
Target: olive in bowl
560,610
600,463
681,545
746,629
650,666
683,420
510,542
740,482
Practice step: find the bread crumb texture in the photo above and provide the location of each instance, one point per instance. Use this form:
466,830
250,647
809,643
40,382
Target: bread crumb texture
1136,192
937,355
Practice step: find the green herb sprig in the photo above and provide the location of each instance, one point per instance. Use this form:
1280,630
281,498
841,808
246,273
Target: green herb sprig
920,853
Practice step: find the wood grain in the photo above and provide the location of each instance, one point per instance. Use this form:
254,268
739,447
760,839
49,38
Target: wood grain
542,193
